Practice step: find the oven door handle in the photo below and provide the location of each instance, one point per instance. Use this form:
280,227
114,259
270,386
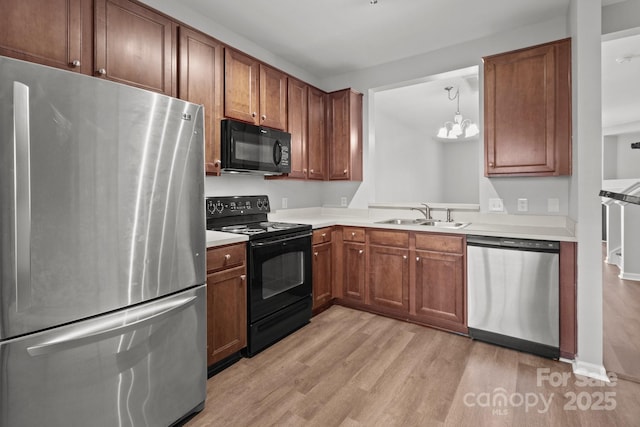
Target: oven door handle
275,242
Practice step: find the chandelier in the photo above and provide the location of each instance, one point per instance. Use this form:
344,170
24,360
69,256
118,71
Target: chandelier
459,129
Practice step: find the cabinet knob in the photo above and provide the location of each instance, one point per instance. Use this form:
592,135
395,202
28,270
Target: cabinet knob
315,254
243,277
404,257
490,164
345,171
102,71
227,257
324,234
263,117
216,163
75,63
304,171
418,258
353,234
360,251
253,114
311,170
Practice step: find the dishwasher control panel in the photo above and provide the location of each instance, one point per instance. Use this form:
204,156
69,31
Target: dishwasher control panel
505,242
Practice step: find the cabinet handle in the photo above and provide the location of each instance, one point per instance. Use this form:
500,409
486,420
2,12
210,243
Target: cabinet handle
360,252
75,63
216,163
102,71
304,171
353,234
311,170
253,114
418,258
490,164
263,117
315,254
227,257
404,257
345,171
243,277
324,234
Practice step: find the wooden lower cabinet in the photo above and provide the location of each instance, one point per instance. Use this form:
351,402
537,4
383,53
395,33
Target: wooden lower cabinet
322,268
439,289
226,303
389,277
353,271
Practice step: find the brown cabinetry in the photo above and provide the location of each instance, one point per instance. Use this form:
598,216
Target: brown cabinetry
439,282
353,271
135,46
297,126
388,268
345,135
322,268
254,92
57,33
226,302
527,111
316,140
201,70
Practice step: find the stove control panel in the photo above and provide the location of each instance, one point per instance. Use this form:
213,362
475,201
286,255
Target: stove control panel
219,207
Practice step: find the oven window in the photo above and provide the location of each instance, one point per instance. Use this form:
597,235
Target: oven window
282,273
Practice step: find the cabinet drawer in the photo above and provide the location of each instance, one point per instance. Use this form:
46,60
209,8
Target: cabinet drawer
225,257
353,234
440,243
322,235
398,239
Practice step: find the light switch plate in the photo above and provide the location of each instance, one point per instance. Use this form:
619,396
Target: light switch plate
523,205
496,205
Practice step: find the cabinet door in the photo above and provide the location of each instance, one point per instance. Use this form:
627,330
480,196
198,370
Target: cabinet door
322,267
57,33
273,98
135,46
353,264
226,313
316,141
528,111
439,288
389,277
201,67
297,127
345,135
241,77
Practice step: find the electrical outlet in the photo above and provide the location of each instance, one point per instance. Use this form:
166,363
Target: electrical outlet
553,205
343,201
523,205
285,202
496,205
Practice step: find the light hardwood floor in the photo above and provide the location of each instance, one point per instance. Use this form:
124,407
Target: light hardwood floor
621,318
350,368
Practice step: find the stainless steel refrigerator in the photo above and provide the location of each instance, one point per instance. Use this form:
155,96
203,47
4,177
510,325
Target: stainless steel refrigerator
102,242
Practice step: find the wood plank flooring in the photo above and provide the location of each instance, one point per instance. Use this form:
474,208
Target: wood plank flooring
621,318
350,368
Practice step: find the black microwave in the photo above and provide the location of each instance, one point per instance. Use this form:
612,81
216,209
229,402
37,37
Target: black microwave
254,149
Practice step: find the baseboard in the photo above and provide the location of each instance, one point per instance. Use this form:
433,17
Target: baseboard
629,276
590,370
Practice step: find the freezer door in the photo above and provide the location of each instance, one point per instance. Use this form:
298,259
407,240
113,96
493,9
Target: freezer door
102,196
144,366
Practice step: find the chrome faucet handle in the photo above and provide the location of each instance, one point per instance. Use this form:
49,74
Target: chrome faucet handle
449,215
427,210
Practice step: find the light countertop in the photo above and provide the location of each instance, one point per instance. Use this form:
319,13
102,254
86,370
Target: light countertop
219,238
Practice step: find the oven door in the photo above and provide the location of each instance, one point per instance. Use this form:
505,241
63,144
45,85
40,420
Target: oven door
280,273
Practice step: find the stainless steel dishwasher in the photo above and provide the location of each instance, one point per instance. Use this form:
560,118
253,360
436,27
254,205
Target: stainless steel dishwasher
513,293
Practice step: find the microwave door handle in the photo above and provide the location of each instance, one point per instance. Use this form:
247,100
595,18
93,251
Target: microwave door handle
277,153
22,194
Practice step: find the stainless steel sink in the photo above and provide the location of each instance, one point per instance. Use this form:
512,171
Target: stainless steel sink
424,222
402,221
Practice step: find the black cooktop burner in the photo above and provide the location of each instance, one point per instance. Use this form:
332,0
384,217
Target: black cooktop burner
247,215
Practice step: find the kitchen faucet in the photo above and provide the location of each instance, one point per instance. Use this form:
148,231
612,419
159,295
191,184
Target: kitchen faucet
426,211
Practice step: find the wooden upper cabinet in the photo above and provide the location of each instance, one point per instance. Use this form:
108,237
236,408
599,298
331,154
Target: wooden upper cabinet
254,92
135,45
316,141
57,33
527,111
273,98
297,126
201,70
345,135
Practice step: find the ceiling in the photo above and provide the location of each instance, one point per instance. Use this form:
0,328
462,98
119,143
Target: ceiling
332,37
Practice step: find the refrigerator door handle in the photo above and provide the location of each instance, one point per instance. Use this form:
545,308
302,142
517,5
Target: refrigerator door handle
112,327
22,194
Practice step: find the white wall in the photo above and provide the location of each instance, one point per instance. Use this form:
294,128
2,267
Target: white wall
609,157
627,159
620,16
